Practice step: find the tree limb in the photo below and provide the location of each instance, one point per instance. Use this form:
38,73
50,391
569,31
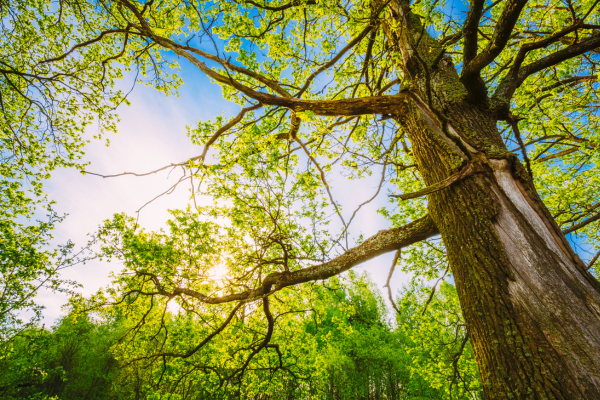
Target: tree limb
515,78
470,28
593,261
380,243
294,3
462,174
360,106
557,155
572,80
582,224
502,33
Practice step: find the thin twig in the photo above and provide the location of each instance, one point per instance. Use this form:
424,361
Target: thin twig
514,122
337,210
387,283
433,289
374,196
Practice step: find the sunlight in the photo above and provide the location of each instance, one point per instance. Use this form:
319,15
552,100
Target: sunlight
218,273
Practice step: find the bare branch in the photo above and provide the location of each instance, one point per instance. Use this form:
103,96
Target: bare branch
433,289
387,283
376,193
136,173
470,169
514,122
322,174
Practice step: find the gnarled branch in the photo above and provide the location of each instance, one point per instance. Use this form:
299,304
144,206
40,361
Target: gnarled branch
460,175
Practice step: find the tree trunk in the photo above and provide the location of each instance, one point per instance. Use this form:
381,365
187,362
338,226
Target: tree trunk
531,307
532,310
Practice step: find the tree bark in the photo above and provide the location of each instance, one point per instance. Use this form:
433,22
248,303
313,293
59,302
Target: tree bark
532,309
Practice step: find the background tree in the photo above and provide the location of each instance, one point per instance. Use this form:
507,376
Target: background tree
70,361
343,347
432,101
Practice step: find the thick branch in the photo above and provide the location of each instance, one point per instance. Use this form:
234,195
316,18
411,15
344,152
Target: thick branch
360,106
574,50
382,242
294,3
502,33
525,49
515,78
470,28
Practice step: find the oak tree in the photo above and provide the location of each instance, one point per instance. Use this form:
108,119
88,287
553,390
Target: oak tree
483,122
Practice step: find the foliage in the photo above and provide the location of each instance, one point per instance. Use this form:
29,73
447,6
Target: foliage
52,88
441,352
72,361
343,347
323,88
